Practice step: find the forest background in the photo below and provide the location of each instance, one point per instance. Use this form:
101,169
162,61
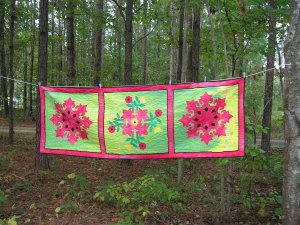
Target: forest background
118,42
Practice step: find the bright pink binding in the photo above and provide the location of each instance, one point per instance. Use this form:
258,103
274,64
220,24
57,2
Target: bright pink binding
169,88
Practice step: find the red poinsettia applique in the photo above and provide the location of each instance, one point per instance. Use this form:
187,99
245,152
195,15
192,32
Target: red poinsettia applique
135,122
71,121
206,118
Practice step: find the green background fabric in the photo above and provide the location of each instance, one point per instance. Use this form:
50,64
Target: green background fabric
87,145
218,144
157,142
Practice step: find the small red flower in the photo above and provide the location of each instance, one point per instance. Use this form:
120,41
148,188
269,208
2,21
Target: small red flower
158,112
128,99
142,146
112,129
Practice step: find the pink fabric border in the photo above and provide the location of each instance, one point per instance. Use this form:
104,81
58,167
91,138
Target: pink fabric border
169,89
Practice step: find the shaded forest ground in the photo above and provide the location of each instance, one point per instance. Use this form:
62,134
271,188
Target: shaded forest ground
74,191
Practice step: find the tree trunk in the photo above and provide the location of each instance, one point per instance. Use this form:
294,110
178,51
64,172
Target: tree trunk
173,49
98,40
71,72
119,56
11,71
196,45
60,45
213,42
52,77
186,49
180,39
291,184
41,160
29,111
267,114
224,42
2,58
25,79
144,45
128,42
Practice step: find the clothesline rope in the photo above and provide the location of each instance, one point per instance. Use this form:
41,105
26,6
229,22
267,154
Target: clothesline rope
250,75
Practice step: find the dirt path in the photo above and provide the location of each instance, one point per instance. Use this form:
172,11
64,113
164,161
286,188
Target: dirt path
30,130
275,143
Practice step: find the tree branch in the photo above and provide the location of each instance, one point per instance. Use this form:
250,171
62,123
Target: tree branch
120,9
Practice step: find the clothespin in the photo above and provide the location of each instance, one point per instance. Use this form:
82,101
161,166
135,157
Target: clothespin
205,79
100,85
39,83
170,81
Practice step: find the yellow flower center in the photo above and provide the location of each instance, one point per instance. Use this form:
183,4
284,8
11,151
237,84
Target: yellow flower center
134,122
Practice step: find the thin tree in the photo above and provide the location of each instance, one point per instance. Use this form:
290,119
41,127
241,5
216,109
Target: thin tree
11,70
144,45
2,58
25,79
267,113
60,45
173,48
99,43
29,111
71,72
213,41
41,160
128,42
195,45
291,184
180,39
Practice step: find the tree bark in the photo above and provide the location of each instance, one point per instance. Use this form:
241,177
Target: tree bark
41,160
291,184
224,42
213,42
196,45
2,58
180,39
267,114
52,77
71,72
173,48
25,79
98,39
60,45
11,71
186,49
29,111
128,42
144,45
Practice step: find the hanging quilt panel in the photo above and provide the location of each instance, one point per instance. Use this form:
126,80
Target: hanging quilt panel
144,122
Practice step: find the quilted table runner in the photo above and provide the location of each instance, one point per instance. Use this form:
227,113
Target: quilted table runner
144,122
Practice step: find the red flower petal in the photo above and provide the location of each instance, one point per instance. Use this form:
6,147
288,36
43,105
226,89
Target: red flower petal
55,119
112,129
81,109
69,103
60,132
225,116
127,114
142,114
72,138
191,106
142,146
206,99
158,113
192,132
127,130
83,134
141,129
128,99
185,120
206,137
220,103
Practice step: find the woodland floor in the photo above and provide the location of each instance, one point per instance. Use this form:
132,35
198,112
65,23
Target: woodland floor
34,196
